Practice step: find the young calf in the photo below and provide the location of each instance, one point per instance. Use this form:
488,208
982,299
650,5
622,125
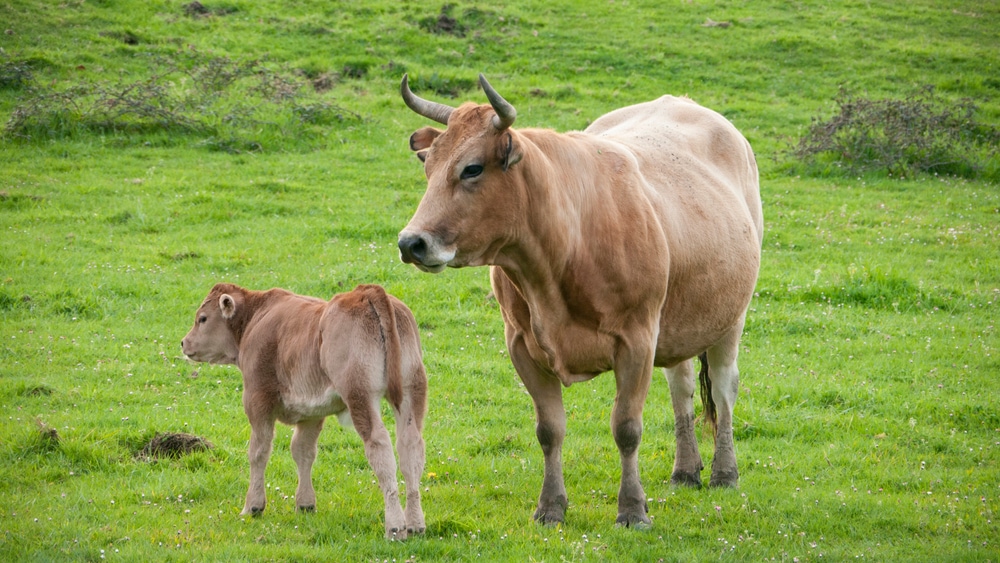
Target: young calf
304,359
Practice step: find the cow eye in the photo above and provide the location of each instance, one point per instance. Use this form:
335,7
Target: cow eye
202,319
471,171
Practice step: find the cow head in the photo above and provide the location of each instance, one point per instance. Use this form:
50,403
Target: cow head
473,198
212,339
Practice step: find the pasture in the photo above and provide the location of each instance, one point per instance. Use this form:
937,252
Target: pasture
152,149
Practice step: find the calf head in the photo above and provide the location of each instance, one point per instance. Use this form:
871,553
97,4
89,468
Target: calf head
473,200
212,339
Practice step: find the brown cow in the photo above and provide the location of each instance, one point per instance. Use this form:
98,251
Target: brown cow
304,359
633,244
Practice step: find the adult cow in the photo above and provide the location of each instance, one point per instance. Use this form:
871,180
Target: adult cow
633,244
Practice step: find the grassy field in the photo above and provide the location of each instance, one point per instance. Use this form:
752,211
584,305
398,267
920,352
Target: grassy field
868,425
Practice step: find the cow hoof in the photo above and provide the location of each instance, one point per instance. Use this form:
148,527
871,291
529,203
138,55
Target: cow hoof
552,511
549,517
255,511
727,479
692,480
310,508
634,521
420,530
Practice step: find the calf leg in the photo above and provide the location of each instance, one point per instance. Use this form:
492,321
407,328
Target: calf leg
410,445
687,462
546,393
304,442
261,438
364,407
725,378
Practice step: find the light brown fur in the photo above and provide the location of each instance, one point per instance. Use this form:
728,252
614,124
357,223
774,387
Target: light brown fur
633,244
304,359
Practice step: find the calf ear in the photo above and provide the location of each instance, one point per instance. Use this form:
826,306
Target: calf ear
227,305
423,138
422,155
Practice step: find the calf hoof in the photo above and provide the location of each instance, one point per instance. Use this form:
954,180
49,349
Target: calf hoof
679,479
310,508
395,534
419,530
253,511
635,521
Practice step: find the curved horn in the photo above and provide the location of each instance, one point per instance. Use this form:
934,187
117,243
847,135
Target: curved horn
430,110
505,112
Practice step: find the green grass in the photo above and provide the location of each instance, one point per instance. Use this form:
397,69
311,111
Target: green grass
867,426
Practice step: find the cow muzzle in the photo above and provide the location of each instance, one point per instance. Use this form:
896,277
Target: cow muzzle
424,252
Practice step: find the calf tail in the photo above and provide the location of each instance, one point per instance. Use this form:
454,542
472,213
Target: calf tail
710,414
382,306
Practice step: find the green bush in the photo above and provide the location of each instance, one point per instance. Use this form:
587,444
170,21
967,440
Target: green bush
233,105
15,75
919,133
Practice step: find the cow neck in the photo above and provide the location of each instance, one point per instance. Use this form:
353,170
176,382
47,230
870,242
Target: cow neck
555,215
571,197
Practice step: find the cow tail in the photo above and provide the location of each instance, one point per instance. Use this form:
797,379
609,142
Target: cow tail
710,414
386,313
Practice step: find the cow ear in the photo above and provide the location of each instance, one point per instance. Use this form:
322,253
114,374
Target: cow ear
511,153
423,138
422,155
227,305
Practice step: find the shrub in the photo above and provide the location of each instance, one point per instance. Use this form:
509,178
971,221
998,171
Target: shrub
15,75
919,133
234,105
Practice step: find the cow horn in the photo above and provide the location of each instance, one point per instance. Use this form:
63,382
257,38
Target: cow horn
430,110
505,112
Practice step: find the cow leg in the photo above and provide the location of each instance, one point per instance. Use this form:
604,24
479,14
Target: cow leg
364,408
725,378
261,438
550,429
632,376
410,445
687,462
304,441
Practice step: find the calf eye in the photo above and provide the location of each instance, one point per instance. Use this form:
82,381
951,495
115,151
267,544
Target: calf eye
202,319
471,171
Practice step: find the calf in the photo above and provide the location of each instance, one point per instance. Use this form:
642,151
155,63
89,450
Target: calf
304,359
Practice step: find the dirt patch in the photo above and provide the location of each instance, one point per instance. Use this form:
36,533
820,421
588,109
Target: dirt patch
181,256
173,445
709,22
198,10
195,9
126,37
49,436
324,82
7,196
444,23
447,24
355,70
36,390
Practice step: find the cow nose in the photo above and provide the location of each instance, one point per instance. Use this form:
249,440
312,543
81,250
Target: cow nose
412,248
